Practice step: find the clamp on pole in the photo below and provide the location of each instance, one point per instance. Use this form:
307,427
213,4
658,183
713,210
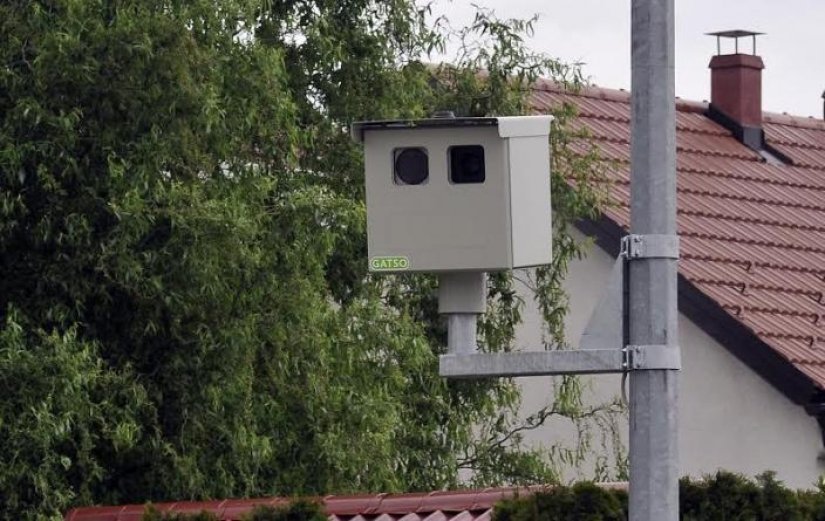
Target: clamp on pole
651,357
651,246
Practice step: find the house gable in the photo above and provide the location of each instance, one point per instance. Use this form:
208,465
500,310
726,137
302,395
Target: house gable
752,239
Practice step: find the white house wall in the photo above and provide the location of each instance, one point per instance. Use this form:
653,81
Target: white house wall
730,418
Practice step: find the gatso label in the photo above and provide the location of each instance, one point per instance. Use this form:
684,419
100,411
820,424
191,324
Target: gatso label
389,263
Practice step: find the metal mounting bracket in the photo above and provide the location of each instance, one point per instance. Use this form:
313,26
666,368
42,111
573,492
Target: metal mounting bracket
607,328
651,357
651,246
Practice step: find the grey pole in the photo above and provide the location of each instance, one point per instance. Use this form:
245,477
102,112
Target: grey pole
462,298
461,333
654,465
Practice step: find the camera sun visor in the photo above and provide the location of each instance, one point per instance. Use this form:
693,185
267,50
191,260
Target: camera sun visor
411,166
467,164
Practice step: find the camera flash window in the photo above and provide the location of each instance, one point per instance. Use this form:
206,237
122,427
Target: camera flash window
410,166
467,164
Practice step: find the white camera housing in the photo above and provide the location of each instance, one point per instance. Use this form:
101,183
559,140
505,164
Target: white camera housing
458,216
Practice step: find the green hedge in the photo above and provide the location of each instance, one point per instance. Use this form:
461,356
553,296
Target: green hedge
723,497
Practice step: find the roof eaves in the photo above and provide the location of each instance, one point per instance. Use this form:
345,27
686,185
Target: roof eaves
462,505
734,336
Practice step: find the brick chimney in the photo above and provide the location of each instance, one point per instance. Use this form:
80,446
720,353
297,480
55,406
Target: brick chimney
736,87
736,90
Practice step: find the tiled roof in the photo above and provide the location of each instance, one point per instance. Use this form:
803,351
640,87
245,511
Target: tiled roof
752,233
475,505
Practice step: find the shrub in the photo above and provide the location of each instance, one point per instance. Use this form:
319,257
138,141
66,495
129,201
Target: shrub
722,497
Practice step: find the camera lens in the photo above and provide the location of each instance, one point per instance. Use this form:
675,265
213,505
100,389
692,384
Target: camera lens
467,164
411,166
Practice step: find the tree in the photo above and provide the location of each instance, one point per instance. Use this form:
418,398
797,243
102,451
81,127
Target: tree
184,300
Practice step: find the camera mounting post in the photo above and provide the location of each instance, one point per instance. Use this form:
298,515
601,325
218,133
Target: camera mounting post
462,298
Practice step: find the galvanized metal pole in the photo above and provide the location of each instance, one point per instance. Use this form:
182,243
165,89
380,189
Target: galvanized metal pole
462,298
654,467
461,333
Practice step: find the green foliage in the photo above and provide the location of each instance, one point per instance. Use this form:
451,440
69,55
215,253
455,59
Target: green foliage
64,416
151,513
581,502
296,511
730,497
722,497
299,510
184,305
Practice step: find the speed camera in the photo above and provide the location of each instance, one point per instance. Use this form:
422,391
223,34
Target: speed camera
457,194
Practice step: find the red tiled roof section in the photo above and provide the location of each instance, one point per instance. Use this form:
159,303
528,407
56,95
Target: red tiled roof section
752,233
802,140
475,505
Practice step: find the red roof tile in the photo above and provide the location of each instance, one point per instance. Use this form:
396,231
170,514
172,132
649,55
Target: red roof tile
753,234
473,505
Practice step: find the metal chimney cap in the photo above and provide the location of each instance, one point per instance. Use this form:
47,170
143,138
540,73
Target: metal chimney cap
735,34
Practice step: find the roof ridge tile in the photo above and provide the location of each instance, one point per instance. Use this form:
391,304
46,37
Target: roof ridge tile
794,336
761,287
794,144
751,179
751,220
773,311
760,200
602,117
753,242
755,264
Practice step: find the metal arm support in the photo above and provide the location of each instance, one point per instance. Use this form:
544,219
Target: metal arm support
575,361
463,362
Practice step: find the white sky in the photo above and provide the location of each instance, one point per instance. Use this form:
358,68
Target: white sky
597,32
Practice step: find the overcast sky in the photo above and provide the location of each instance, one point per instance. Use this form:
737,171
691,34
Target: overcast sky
597,32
